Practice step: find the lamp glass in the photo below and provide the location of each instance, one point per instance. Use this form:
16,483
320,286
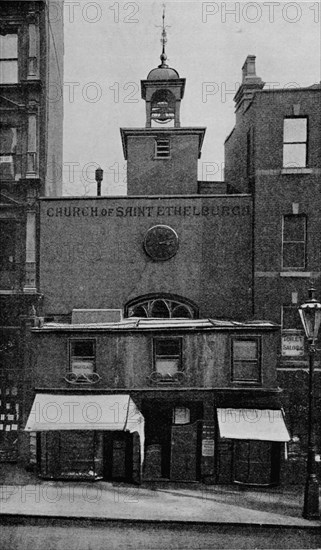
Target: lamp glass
317,323
311,320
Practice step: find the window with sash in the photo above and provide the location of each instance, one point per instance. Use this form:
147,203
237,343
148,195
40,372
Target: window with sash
167,358
294,242
7,245
246,360
9,58
10,159
82,357
295,135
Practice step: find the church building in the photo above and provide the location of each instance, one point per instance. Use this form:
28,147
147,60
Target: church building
145,361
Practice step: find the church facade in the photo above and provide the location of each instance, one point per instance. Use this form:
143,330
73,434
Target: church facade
146,361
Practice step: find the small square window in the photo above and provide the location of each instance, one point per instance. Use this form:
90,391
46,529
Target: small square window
82,357
167,358
246,360
162,148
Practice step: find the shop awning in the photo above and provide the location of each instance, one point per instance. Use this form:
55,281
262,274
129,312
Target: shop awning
259,424
84,412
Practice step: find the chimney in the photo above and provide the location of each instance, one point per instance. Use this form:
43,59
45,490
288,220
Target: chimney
99,173
250,84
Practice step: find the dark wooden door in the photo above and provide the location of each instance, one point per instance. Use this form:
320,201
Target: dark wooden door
118,456
184,452
50,454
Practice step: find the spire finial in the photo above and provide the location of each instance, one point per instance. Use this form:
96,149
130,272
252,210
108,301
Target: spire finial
163,56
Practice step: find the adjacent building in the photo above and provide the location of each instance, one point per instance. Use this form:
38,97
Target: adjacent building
31,111
274,153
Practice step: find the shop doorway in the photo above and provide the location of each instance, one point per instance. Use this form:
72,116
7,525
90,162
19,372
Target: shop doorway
172,440
121,457
117,452
185,453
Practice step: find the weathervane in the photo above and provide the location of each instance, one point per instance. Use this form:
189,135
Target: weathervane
163,56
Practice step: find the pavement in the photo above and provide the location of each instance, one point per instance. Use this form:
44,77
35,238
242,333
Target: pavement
154,502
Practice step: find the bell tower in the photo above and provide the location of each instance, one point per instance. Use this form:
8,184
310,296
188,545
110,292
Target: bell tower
163,90
162,157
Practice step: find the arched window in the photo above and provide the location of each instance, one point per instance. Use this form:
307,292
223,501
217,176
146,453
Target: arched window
181,311
139,311
163,106
161,307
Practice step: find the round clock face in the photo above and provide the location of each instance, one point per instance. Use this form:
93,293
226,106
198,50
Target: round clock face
161,242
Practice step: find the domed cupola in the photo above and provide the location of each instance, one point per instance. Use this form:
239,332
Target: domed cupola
163,72
163,90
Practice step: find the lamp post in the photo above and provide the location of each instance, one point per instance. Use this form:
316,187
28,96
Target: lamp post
310,313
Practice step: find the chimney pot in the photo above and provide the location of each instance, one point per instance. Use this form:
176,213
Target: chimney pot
248,68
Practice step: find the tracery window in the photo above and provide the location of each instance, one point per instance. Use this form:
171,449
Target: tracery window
161,308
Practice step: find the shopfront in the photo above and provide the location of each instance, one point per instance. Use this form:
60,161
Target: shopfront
87,436
252,441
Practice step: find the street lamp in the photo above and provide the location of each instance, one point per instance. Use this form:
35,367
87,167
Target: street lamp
310,314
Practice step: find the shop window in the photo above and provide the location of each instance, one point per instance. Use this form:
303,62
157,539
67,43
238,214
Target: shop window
82,362
291,318
167,358
294,242
256,462
246,360
10,398
70,454
9,59
9,159
162,148
7,245
295,142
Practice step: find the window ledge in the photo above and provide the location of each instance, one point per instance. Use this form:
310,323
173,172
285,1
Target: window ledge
296,171
301,274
